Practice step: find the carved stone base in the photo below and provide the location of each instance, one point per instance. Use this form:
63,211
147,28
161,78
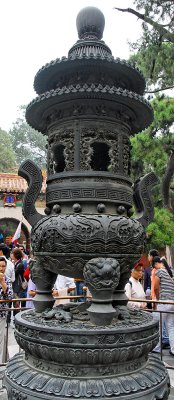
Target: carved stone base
25,383
67,357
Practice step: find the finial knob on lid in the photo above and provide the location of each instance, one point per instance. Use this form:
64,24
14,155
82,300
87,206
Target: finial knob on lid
90,22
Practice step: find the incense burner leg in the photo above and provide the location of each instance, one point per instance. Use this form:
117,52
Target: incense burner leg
44,281
102,276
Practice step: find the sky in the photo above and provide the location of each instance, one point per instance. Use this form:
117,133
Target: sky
34,32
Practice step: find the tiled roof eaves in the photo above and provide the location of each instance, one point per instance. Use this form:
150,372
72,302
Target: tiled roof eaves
89,89
73,58
16,184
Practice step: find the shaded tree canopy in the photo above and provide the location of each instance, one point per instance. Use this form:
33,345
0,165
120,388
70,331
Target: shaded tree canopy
7,154
153,53
156,143
157,65
155,48
27,142
161,230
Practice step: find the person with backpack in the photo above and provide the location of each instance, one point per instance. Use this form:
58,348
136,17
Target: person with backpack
134,288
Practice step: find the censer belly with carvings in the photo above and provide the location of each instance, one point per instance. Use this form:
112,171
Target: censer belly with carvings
88,105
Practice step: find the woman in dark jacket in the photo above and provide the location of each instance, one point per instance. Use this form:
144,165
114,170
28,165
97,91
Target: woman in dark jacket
16,256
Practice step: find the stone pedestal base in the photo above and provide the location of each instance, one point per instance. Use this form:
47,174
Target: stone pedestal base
78,360
25,383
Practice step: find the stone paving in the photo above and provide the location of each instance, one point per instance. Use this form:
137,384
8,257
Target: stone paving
13,348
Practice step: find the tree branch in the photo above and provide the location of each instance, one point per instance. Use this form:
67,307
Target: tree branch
166,182
159,90
164,32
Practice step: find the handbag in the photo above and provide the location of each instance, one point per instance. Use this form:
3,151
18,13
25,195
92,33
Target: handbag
24,283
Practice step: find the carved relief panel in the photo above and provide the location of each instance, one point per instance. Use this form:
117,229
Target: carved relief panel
126,155
99,150
60,151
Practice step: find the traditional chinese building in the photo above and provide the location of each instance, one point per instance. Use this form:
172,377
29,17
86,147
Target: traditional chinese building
12,190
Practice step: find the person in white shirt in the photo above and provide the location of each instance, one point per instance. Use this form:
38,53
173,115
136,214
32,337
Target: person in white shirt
63,287
9,271
134,288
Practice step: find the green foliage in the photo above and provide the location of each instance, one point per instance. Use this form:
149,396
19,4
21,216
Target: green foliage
163,117
154,55
156,63
155,48
160,9
155,143
27,142
153,158
7,155
161,231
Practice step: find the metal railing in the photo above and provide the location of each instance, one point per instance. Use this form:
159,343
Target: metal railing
85,298
153,302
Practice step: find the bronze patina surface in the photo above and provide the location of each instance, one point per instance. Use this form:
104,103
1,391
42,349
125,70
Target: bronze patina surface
88,105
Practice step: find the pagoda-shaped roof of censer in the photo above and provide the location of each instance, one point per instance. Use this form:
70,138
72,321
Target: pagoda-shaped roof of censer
89,71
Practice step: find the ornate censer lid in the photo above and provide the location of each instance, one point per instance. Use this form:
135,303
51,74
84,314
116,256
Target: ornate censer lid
88,51
89,72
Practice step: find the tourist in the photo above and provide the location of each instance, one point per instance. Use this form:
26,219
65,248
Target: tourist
5,293
134,288
163,286
80,284
148,271
27,270
18,289
153,273
31,289
166,265
62,287
165,338
24,256
9,271
31,292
